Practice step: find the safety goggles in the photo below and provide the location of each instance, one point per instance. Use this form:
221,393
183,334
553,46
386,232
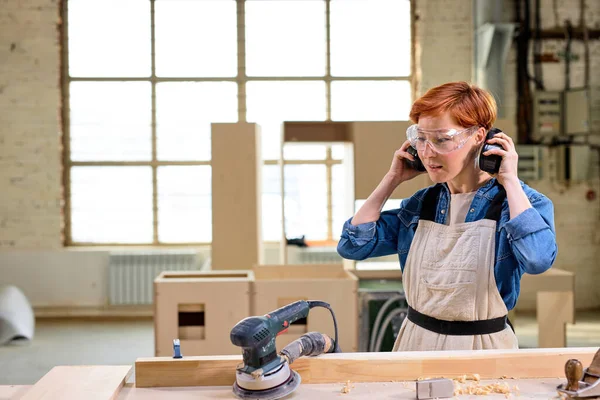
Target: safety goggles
440,140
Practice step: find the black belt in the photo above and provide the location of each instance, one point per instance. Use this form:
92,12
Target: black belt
457,328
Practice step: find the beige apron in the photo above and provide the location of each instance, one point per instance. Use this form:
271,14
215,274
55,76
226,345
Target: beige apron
449,275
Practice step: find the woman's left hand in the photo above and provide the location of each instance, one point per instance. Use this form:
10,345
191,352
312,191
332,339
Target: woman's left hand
510,158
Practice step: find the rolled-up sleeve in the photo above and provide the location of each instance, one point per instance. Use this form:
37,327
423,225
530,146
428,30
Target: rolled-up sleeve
371,239
532,236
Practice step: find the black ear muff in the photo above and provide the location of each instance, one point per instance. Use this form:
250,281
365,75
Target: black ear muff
490,163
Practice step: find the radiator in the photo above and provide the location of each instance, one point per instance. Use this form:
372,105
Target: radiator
131,274
319,255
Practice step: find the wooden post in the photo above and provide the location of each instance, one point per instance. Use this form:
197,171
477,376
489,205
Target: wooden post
236,196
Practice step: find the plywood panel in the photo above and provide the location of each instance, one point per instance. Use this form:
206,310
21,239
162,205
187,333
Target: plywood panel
100,382
236,197
223,296
374,147
326,282
370,367
320,131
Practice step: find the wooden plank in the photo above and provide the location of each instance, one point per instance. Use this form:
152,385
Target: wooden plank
369,367
316,132
554,311
236,198
520,388
391,274
101,382
553,280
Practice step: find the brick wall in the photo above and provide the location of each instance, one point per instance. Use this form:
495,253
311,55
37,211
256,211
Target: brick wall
30,159
444,40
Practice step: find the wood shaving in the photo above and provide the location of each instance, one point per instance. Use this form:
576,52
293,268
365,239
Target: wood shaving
480,389
348,386
471,377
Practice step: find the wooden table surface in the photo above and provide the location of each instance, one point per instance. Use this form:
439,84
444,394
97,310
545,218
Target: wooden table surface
521,388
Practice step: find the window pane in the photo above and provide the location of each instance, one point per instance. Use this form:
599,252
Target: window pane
110,121
196,38
306,201
370,100
272,102
370,38
184,112
285,38
109,38
111,204
184,204
339,199
304,152
271,203
338,151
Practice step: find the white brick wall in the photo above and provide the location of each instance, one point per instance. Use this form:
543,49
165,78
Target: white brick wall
444,37
30,166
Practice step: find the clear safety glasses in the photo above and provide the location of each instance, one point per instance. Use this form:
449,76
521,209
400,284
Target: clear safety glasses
440,140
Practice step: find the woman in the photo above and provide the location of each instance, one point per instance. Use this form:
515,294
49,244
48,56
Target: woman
464,242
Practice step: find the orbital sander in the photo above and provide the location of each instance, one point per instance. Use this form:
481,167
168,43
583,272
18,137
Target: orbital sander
265,374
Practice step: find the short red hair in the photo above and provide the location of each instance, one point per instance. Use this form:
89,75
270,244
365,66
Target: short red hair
467,104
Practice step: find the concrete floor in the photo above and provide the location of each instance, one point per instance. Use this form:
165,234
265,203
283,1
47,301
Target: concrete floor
99,342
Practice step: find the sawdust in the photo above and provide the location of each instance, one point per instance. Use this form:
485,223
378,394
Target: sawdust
348,386
471,377
480,389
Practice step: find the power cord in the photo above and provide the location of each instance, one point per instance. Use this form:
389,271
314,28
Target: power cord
379,318
318,303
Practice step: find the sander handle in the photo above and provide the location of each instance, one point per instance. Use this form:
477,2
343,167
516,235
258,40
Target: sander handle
309,344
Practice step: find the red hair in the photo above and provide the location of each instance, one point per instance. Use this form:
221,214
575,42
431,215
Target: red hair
467,104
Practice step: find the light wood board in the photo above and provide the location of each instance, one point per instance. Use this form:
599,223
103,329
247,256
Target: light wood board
99,382
236,197
369,367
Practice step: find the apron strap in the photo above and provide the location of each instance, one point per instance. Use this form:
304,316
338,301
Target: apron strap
429,206
457,328
495,210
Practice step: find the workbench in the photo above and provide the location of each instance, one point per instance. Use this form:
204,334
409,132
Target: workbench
528,389
527,374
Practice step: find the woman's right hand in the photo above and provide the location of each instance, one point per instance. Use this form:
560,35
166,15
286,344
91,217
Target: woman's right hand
400,171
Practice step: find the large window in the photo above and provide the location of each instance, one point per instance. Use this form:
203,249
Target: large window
144,79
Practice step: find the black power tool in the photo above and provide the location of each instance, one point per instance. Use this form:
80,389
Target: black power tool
265,374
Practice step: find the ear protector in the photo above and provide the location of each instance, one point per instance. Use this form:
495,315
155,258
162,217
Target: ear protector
489,163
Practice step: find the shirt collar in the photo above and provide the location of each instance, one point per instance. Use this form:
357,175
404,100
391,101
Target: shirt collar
488,190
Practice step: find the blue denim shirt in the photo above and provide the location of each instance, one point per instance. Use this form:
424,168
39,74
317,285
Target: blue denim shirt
524,244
